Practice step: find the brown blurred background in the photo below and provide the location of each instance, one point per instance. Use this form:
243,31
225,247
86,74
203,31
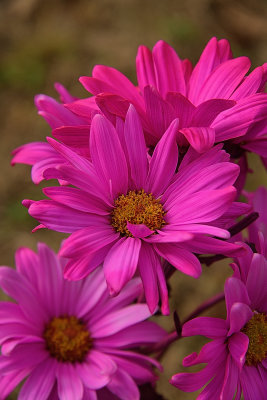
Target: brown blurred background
47,41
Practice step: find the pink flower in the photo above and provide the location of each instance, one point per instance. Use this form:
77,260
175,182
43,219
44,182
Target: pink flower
215,102
128,209
70,339
236,356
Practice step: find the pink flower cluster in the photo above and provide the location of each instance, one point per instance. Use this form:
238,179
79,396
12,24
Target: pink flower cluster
149,179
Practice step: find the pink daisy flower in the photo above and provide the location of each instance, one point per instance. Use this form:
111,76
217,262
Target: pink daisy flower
215,102
128,209
236,357
70,339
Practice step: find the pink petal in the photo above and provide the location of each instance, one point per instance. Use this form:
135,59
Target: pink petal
163,162
212,328
200,138
159,112
68,382
145,68
257,282
235,121
181,259
235,292
73,136
107,155
38,169
250,85
238,346
240,314
123,386
118,320
147,270
121,262
139,230
254,387
231,379
87,241
40,382
183,108
224,79
136,146
168,68
31,153
206,112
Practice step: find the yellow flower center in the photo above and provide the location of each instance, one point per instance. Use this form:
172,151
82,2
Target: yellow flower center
137,207
256,330
67,339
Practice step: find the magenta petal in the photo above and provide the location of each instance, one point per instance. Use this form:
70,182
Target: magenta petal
206,112
139,230
97,371
73,136
121,262
159,112
250,85
212,328
145,68
8,382
112,105
238,346
163,162
181,259
254,387
200,138
240,314
118,320
169,70
68,382
189,382
235,292
257,282
183,108
40,382
235,121
31,153
87,241
231,379
224,79
147,270
136,146
123,386
107,155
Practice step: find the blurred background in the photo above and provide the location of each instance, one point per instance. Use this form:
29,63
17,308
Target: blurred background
49,41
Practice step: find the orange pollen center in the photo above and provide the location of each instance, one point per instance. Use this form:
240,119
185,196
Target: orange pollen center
256,330
67,339
137,207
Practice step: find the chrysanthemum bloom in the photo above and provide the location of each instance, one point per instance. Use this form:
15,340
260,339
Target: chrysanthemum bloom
214,101
236,358
70,339
129,209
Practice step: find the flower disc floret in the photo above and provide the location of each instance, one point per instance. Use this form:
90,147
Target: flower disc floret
67,339
256,330
137,207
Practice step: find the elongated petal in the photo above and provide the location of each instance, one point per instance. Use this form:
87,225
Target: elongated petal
212,328
181,259
136,146
145,68
200,138
183,108
117,320
235,292
68,382
238,346
40,382
121,262
207,111
107,155
257,282
147,270
123,386
240,314
250,86
224,79
169,70
31,153
163,162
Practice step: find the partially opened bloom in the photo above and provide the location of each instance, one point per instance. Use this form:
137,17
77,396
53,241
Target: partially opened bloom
128,209
236,357
70,339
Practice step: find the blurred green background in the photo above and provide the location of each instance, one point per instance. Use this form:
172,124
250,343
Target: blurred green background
47,41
